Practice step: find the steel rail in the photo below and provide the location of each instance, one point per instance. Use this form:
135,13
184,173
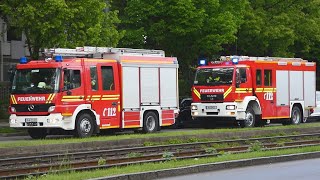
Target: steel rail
154,153
91,154
82,166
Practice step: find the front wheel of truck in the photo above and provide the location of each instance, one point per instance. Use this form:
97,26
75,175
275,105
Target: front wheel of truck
84,126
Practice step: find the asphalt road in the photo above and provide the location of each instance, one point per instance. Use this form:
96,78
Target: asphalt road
293,170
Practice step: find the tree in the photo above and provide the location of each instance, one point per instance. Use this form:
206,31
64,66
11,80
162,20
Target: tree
62,23
186,29
280,28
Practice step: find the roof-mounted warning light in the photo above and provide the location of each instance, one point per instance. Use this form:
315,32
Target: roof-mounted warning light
23,60
58,58
235,60
202,62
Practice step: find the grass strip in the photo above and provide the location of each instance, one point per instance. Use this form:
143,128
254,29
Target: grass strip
8,130
175,134
171,164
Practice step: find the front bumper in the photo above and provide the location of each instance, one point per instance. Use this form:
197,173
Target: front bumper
55,120
217,110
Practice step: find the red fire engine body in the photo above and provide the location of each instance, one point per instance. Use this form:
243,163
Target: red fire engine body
254,90
115,88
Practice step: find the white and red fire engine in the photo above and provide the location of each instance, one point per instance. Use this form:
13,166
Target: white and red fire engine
91,88
254,90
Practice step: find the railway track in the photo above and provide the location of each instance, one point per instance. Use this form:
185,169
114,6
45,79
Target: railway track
12,168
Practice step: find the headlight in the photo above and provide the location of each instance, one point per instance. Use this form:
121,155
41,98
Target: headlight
12,109
51,109
194,107
230,107
13,121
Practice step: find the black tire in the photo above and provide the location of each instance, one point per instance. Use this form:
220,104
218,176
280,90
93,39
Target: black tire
150,122
259,122
84,126
37,133
305,120
250,118
296,116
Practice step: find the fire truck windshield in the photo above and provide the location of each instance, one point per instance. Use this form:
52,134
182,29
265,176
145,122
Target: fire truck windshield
214,76
36,81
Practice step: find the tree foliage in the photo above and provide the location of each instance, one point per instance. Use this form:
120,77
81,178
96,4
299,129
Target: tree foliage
62,23
183,28
187,29
280,28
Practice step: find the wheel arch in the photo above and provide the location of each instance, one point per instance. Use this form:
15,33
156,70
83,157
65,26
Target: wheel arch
152,110
253,102
255,107
82,109
299,105
156,113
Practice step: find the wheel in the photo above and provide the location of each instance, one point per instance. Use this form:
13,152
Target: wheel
259,122
304,120
37,133
150,122
250,118
84,126
296,116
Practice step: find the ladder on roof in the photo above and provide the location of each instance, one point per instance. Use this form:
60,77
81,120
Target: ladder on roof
248,58
99,52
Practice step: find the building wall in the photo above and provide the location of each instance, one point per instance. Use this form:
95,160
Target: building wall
10,51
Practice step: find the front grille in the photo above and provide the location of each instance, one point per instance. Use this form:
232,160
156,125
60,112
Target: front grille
212,97
36,107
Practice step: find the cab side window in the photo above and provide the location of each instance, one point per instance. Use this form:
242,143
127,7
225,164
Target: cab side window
72,79
243,75
107,78
258,77
268,77
94,78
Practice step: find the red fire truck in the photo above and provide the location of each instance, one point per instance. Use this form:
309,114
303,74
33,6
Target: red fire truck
254,90
91,88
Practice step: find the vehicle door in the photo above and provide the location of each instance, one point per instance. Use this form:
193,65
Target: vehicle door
266,92
244,83
73,89
105,90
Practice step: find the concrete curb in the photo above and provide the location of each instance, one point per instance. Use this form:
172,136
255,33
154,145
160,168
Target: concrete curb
212,167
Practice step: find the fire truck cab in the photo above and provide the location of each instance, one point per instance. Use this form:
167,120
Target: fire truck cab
91,88
254,90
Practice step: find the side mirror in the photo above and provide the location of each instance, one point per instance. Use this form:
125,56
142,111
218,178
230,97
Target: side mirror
237,84
11,73
238,80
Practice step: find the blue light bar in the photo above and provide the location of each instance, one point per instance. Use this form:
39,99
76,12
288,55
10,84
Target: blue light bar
235,60
58,58
202,62
23,60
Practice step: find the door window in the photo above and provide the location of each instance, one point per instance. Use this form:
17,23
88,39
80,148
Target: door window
72,79
107,78
268,77
94,78
243,75
258,77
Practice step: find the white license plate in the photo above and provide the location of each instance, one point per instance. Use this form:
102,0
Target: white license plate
211,107
32,124
31,120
